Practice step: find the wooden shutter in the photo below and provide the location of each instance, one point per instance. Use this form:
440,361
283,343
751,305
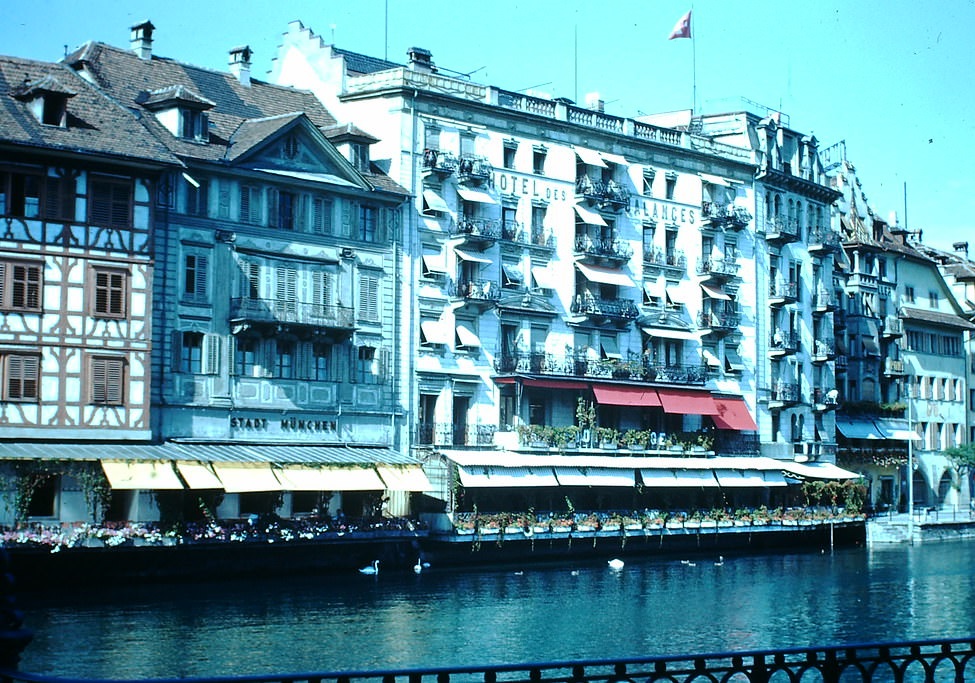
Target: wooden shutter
272,207
368,298
350,218
107,375
176,351
3,285
223,203
210,362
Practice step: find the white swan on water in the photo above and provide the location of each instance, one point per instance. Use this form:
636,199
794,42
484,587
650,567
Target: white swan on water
615,563
372,569
420,565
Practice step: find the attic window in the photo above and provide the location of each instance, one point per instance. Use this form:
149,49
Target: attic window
194,125
291,147
47,100
360,156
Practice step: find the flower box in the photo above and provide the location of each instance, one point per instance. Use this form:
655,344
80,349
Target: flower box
560,529
585,527
635,526
741,522
611,526
725,523
540,528
512,530
465,532
490,531
675,525
692,524
708,524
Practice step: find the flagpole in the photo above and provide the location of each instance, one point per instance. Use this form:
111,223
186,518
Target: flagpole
694,63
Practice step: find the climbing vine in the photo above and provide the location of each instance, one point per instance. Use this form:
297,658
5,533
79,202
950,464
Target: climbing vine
31,475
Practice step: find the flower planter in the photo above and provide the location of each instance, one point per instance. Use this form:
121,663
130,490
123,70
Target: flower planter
561,529
512,530
692,524
635,526
540,528
490,531
465,532
608,445
613,526
675,525
741,522
725,523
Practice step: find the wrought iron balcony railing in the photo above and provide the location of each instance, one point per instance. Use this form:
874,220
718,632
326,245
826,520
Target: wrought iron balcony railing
784,393
581,365
717,268
783,291
607,249
286,311
619,309
442,163
609,193
725,216
894,368
719,321
824,301
483,228
782,342
514,231
454,434
893,326
824,239
475,290
473,169
781,230
671,259
822,350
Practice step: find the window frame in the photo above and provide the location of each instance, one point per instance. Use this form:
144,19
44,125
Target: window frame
29,371
9,284
107,390
118,210
112,291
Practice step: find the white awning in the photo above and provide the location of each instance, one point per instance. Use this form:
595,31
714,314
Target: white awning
246,477
749,478
404,478
594,476
733,361
466,337
435,202
504,477
590,157
710,358
618,159
434,263
435,332
679,478
656,288
467,256
544,277
818,470
479,196
611,349
198,475
606,276
589,216
667,333
147,476
303,478
715,293
714,180
353,479
676,295
898,430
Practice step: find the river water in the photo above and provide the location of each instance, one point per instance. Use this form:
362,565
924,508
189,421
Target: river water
503,615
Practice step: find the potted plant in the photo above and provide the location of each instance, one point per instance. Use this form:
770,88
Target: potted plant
607,437
565,437
635,439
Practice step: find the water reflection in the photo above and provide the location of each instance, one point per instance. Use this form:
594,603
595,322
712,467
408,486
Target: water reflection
479,617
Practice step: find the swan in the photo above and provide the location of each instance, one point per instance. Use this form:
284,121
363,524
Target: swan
372,569
615,563
420,565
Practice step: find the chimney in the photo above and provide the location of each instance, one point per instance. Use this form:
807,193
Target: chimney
141,39
240,64
961,249
594,102
420,59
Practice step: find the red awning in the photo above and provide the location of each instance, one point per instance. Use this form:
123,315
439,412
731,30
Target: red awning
687,402
553,384
625,396
733,414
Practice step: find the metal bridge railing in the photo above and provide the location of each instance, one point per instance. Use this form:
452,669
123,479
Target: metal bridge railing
901,662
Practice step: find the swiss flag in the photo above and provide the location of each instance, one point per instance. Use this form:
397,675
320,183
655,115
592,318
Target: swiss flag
683,27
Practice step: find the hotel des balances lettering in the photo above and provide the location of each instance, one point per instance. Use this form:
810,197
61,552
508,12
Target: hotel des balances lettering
610,311
902,366
198,279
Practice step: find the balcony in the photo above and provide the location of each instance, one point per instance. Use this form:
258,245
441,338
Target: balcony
783,394
781,231
460,434
658,261
602,251
894,368
825,398
439,163
473,170
781,292
582,365
782,343
514,231
842,363
822,351
893,327
823,302
294,313
725,216
479,294
602,311
606,195
479,233
717,269
823,241
719,322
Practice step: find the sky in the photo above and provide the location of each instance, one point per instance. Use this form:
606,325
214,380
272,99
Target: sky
892,79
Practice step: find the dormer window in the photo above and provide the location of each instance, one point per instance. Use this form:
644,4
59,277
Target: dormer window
360,156
47,100
194,125
181,111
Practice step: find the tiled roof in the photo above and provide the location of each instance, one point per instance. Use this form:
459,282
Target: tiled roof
95,125
364,64
936,318
253,131
129,79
